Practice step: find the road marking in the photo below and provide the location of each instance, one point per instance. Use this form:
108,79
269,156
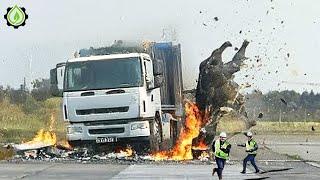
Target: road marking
292,143
181,171
314,164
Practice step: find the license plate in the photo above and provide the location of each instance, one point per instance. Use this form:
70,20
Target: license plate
100,140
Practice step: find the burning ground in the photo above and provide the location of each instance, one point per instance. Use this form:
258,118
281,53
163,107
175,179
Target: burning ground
191,145
44,146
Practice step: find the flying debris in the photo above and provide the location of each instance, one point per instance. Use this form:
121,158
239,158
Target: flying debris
284,101
216,88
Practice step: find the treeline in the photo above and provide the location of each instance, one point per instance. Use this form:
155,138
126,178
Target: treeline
29,100
23,112
272,106
283,106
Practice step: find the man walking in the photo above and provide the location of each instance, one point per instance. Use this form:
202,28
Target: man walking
221,148
251,148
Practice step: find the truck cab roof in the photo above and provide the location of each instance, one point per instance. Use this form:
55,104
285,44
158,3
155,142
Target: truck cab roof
111,56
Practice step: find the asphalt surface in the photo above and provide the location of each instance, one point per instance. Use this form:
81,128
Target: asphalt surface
306,147
273,160
290,170
180,172
114,171
59,171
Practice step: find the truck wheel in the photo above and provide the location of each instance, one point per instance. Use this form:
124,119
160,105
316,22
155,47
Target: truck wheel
155,136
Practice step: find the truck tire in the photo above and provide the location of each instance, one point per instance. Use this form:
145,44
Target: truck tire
155,135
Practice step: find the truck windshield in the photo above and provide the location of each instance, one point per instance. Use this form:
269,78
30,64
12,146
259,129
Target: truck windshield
103,74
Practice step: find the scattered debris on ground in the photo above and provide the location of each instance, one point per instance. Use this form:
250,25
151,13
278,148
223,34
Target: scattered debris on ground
83,155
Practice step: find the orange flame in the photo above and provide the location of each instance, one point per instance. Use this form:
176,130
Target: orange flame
45,137
201,146
63,144
124,152
183,147
127,152
204,156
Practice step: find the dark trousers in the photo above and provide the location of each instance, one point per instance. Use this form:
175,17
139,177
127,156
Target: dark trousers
220,163
251,158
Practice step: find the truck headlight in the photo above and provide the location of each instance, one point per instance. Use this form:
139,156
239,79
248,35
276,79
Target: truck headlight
73,130
136,126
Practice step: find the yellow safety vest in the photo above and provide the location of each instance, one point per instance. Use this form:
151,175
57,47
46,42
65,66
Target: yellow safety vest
251,146
218,152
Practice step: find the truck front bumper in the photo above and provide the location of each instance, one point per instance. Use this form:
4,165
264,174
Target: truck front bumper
132,130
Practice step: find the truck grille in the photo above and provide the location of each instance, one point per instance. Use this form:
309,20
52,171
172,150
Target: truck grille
102,110
115,121
106,131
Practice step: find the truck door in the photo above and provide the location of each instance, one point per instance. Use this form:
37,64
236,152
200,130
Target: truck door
56,79
149,73
150,94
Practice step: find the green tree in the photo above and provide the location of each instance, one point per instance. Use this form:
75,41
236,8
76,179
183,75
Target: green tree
41,89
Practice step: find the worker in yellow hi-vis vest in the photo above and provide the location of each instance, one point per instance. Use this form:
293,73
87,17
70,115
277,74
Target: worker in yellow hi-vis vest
251,148
221,148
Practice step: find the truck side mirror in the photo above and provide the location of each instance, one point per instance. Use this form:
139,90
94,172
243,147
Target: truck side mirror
148,81
158,81
157,67
54,90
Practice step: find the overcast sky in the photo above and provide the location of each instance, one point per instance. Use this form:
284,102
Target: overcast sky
55,29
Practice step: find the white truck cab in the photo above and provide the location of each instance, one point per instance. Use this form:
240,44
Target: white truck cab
112,99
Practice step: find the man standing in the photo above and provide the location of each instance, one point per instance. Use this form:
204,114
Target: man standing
221,148
251,148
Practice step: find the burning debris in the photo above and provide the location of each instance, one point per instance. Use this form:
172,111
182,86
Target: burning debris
43,139
122,153
45,146
204,156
